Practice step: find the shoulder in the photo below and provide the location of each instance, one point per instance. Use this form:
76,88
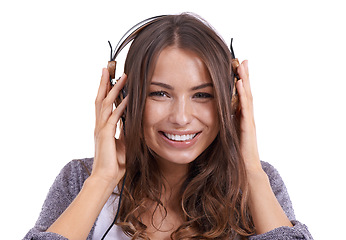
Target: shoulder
272,172
71,177
76,171
65,188
80,166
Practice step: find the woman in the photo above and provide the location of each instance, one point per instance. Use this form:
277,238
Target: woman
191,160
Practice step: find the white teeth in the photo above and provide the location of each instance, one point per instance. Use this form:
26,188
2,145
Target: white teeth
180,137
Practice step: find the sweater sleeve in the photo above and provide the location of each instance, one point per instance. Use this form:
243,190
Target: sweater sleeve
299,230
65,188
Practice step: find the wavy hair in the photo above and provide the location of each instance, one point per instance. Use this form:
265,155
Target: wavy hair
214,196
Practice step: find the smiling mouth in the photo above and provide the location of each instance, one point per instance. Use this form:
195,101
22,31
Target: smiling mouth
179,138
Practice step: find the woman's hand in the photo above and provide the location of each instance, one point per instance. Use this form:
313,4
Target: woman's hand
248,140
266,211
109,161
109,166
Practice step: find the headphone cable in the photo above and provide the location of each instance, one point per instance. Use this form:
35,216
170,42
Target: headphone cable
116,215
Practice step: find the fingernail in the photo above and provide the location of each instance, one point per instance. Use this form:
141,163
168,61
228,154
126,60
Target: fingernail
120,78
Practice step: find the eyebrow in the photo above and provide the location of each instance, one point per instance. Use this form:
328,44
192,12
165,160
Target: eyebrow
164,85
202,86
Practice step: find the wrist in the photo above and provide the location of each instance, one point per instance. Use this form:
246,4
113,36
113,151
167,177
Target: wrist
254,167
257,178
106,185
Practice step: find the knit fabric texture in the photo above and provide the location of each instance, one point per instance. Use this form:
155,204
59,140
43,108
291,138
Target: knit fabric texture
69,183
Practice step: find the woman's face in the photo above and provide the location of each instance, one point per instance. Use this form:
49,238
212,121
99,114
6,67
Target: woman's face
180,116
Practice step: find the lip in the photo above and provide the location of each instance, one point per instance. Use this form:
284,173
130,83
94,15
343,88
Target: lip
180,144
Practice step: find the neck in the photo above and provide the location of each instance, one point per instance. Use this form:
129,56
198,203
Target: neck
174,176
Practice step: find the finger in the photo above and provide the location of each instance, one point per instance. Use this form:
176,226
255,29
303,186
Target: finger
102,91
104,85
107,104
246,67
242,94
243,72
116,114
114,92
244,75
245,103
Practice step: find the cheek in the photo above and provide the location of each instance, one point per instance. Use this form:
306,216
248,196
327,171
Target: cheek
147,121
209,115
147,130
153,115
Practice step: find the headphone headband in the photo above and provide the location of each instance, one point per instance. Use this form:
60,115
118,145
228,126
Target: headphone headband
132,33
128,37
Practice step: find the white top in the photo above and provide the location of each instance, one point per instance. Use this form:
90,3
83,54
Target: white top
106,218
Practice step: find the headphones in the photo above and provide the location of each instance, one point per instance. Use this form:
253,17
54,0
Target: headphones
130,35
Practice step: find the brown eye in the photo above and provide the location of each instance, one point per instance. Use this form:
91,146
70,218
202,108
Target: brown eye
202,95
158,94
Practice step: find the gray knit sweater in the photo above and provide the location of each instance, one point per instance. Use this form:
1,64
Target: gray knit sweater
71,178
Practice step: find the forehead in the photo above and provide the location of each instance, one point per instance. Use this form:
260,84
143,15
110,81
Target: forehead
181,67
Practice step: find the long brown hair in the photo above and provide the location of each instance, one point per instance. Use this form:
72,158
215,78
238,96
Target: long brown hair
214,196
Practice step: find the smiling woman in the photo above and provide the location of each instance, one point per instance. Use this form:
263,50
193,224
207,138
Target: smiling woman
186,165
180,82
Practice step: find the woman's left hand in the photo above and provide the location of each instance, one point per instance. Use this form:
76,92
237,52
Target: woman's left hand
248,139
266,211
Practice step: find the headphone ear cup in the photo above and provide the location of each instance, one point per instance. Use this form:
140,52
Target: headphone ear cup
235,103
235,98
111,66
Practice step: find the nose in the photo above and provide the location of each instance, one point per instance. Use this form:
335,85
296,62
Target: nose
181,111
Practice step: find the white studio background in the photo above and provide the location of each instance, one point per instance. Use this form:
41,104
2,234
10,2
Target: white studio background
52,53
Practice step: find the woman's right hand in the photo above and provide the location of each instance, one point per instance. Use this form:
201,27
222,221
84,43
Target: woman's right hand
109,159
108,168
